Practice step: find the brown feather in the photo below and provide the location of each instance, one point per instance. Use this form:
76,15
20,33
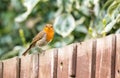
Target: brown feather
38,36
26,51
35,39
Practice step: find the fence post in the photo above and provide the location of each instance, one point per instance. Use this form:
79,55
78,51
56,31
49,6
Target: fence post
11,68
84,59
48,64
105,57
29,66
66,62
117,67
1,70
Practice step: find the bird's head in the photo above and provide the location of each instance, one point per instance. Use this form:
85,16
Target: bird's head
48,28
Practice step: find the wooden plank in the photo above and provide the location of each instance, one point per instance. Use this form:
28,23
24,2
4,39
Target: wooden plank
1,70
117,67
29,66
54,66
67,62
84,59
48,64
10,68
105,57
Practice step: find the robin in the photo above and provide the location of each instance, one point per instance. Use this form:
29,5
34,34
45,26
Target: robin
42,38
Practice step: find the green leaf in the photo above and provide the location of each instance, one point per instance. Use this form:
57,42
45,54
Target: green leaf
104,21
14,52
64,24
110,26
68,39
29,4
107,4
113,6
118,31
82,29
21,33
64,41
66,4
96,7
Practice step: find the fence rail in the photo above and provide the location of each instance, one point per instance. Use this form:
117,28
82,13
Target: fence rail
98,58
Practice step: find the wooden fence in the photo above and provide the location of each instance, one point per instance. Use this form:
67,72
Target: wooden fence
98,58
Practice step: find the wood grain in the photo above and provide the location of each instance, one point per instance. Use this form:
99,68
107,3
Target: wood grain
10,68
84,59
105,57
1,70
117,67
29,66
98,58
66,61
48,64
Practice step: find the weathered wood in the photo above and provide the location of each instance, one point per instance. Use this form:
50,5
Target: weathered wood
54,66
48,64
105,57
90,59
93,59
72,60
66,62
1,70
29,66
117,66
10,68
84,59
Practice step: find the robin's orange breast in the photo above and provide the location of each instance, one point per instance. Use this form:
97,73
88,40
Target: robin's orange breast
49,33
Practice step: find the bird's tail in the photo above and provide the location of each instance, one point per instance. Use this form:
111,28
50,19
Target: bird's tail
26,51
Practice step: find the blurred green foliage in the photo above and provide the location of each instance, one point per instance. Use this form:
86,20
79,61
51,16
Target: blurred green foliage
73,20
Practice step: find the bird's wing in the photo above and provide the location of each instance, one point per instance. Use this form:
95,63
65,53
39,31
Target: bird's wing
38,36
